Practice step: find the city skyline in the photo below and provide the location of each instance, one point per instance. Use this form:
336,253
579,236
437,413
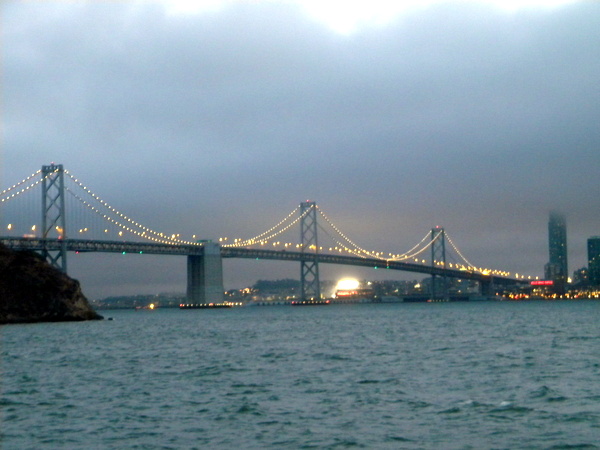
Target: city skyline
219,121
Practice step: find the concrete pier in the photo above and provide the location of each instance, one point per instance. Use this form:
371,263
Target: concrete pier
205,276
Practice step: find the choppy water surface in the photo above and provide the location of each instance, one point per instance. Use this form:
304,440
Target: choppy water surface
488,375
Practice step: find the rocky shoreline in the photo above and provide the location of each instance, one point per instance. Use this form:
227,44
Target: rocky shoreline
31,290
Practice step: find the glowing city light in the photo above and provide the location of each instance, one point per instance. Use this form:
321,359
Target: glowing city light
347,284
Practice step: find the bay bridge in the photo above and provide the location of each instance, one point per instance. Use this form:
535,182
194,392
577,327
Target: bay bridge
58,197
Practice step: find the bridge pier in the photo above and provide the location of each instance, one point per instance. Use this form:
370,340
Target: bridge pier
486,288
205,276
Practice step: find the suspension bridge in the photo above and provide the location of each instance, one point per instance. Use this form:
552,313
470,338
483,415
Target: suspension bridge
42,211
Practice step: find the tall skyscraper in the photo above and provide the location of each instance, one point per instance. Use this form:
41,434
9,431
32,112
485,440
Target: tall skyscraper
593,244
557,267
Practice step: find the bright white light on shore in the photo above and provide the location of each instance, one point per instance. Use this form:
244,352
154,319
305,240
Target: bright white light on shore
347,284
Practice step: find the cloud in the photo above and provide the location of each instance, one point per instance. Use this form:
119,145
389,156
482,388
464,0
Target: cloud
463,115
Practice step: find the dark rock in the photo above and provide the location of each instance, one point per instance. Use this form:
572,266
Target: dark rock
31,290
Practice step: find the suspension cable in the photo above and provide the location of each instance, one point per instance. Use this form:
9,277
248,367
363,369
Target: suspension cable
458,251
429,244
349,250
19,184
16,185
360,251
162,239
261,238
167,239
346,238
406,255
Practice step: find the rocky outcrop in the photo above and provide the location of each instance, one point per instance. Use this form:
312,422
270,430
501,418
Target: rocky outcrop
31,290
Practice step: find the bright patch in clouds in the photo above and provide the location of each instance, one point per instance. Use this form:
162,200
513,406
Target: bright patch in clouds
347,16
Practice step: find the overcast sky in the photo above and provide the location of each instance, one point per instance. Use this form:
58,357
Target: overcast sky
220,120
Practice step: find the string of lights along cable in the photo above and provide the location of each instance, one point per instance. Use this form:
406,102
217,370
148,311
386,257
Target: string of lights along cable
17,189
92,217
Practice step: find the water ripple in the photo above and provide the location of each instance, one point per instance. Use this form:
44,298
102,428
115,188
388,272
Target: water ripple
452,376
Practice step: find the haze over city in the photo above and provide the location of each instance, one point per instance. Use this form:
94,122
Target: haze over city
394,117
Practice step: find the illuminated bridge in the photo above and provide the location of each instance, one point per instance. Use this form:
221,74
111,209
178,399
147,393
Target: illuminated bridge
48,235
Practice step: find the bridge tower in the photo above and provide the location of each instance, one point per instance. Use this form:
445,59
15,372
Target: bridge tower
53,213
309,269
438,255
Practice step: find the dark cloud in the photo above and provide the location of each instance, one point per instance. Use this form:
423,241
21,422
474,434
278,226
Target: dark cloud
220,123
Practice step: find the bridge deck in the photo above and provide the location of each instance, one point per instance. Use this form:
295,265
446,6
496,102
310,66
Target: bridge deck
82,245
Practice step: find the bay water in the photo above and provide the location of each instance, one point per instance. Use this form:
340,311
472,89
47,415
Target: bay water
489,375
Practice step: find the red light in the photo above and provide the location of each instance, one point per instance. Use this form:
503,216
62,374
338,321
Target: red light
542,283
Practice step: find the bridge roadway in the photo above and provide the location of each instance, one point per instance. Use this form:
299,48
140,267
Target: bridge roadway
83,245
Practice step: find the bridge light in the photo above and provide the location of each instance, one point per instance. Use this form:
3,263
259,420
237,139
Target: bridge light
10,226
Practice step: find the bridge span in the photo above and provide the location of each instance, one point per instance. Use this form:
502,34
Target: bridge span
50,236
205,269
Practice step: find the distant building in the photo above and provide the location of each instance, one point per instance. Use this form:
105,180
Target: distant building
580,277
557,267
594,260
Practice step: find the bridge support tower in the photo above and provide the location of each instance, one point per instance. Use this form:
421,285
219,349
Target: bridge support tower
54,214
205,276
309,269
439,290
